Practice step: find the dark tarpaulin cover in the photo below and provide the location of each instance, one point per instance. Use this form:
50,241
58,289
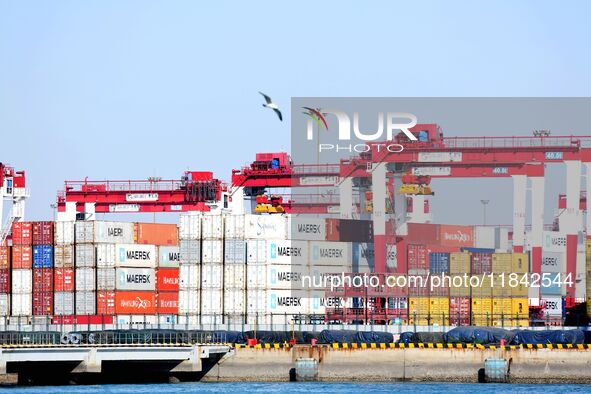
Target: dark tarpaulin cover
352,336
421,337
554,337
478,335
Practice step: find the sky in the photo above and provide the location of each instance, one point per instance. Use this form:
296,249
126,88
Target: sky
132,89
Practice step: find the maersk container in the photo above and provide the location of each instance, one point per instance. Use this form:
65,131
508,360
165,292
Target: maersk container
136,279
318,303
170,256
554,241
289,252
438,262
234,251
329,253
256,251
104,232
63,303
63,256
22,304
286,301
85,279
105,255
234,226
212,276
4,304
211,227
234,276
305,228
85,302
42,256
189,302
234,301
64,233
265,227
22,281
189,277
285,277
105,279
256,301
133,255
190,252
552,306
190,226
212,251
85,255
256,276
211,301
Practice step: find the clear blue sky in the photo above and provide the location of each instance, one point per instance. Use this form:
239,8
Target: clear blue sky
130,89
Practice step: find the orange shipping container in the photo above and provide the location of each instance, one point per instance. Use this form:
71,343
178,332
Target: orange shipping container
458,236
105,302
167,279
4,257
63,279
135,303
156,234
22,233
168,303
22,257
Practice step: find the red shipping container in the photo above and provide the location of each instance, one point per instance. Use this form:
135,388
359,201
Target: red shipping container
22,233
5,281
63,279
43,304
481,263
423,233
332,230
42,233
4,257
168,303
22,257
105,302
459,311
419,286
156,234
135,303
42,280
418,257
82,319
459,236
167,279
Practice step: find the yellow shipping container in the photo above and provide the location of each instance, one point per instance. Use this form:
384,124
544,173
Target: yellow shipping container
520,263
481,311
439,310
519,291
459,263
502,306
501,262
418,310
463,290
520,308
484,290
521,323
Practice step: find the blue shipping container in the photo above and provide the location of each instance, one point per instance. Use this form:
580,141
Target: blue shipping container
438,262
42,256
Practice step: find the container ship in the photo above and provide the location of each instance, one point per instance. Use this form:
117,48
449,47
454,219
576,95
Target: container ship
227,263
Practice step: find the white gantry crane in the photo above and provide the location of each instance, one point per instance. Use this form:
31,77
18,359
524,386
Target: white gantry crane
12,189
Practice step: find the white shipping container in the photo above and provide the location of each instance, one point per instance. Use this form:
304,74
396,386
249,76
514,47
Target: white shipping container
321,274
63,233
63,256
190,226
105,255
169,256
286,301
189,302
211,227
85,279
212,276
136,279
256,251
553,261
502,239
234,276
211,301
287,252
211,318
234,301
4,304
256,301
134,255
105,279
552,306
22,304
256,276
319,302
234,226
282,276
363,257
190,320
22,281
484,237
136,321
85,255
212,251
63,303
265,226
554,241
189,277
190,252
104,232
303,227
234,251
330,253
85,303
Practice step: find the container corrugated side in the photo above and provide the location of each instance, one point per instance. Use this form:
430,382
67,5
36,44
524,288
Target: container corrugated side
211,226
143,279
63,303
105,302
156,234
63,256
169,256
22,304
212,251
256,276
189,277
190,226
329,253
104,232
85,302
4,304
189,302
85,279
105,279
234,251
234,301
64,233
190,252
212,276
296,252
105,255
211,301
22,281
235,276
256,251
85,255
234,226
135,302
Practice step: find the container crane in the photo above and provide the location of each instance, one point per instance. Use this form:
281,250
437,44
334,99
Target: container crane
12,188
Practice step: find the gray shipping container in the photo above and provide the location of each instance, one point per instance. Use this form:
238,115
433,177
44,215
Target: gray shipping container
86,303
190,252
105,279
85,255
235,251
63,256
104,232
63,303
85,279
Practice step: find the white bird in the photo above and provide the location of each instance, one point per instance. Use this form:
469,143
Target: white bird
270,104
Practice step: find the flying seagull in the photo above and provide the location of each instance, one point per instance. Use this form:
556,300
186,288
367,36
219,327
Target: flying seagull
272,105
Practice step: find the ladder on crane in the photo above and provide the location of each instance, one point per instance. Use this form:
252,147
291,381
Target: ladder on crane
14,215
